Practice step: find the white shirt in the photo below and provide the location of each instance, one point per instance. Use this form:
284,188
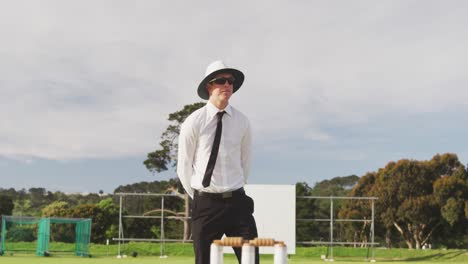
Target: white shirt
196,140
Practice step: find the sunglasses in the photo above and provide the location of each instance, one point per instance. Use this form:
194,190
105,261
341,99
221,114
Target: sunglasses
223,80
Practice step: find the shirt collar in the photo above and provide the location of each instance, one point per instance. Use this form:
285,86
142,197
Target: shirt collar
212,110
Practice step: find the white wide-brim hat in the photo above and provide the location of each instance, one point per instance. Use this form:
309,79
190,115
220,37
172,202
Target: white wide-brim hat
212,70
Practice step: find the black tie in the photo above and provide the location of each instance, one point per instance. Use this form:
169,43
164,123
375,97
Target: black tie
214,151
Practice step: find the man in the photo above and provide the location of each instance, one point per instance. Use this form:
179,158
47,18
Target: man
214,163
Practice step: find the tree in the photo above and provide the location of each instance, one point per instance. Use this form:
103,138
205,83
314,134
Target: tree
23,208
305,209
418,198
56,209
110,214
61,232
337,186
160,160
6,205
451,193
37,196
361,209
99,221
319,208
166,157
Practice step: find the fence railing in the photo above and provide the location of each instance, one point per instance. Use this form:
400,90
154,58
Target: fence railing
332,220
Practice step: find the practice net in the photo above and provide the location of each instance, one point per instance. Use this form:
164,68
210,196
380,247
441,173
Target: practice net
16,229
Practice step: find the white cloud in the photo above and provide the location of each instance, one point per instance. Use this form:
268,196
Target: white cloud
97,79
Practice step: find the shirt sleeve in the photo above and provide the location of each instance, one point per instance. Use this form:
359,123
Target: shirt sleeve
185,156
246,152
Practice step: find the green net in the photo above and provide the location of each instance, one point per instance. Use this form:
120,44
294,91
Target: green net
22,229
43,238
16,228
83,236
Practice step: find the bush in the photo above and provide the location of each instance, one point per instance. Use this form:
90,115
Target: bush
21,234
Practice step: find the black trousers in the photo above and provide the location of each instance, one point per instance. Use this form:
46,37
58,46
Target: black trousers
214,216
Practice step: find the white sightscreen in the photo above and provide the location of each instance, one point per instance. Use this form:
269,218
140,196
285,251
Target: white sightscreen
275,214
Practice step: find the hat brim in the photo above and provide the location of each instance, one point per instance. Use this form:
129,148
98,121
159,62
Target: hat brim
238,76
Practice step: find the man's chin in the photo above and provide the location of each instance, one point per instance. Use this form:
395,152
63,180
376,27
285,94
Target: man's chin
226,96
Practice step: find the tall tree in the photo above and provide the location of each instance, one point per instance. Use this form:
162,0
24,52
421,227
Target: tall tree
165,156
306,230
150,205
451,193
110,213
37,196
56,209
417,198
100,221
337,186
62,232
357,209
24,208
319,208
6,205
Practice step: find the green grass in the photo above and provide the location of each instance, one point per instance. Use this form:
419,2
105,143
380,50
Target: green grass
229,259
183,253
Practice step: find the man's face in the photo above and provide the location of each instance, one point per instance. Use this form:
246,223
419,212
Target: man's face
221,91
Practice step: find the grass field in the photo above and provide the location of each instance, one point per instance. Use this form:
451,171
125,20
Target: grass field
183,254
229,259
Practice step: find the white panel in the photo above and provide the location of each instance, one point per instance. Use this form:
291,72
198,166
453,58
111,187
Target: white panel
275,214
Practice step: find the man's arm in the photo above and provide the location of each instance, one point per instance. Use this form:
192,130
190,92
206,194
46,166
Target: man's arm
186,152
246,152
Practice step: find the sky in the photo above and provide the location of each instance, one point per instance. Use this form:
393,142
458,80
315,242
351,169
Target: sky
332,88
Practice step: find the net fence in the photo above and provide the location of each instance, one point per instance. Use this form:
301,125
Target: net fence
17,229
